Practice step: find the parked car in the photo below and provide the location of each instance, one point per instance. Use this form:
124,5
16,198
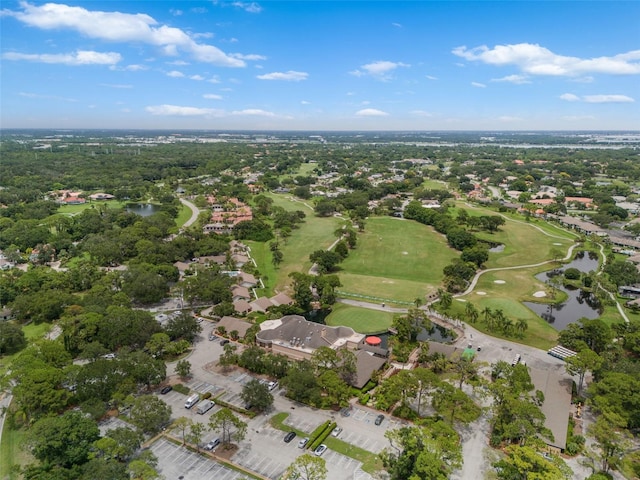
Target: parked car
272,385
109,356
192,400
212,337
336,431
166,389
205,406
320,449
212,444
303,442
289,436
379,419
224,341
345,412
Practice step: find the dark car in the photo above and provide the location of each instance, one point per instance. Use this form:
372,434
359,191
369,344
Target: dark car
379,419
289,436
166,389
224,342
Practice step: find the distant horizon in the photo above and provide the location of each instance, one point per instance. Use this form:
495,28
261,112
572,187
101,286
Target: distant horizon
251,130
320,65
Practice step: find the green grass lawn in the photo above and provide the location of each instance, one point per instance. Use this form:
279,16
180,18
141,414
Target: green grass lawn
75,209
396,259
11,452
362,320
184,214
314,234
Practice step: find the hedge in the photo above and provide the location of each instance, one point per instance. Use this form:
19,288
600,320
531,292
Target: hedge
178,387
323,435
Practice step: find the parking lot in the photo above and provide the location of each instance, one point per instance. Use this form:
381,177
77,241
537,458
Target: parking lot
359,428
175,461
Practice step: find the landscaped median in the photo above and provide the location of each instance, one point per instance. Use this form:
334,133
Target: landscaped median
370,461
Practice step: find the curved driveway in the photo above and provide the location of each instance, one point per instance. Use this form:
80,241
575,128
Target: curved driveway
195,211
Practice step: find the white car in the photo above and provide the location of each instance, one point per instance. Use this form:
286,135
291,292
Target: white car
212,444
272,385
336,431
303,442
320,450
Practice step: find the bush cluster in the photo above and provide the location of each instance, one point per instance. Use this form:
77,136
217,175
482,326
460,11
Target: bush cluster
320,433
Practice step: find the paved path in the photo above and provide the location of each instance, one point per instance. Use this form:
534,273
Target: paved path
195,211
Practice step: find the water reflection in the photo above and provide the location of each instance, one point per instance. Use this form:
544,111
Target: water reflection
579,303
142,209
436,333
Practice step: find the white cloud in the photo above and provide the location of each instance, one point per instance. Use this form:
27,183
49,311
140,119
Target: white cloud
198,10
179,111
608,99
254,112
212,96
431,77
178,63
536,60
120,27
290,76
135,68
197,77
175,13
251,7
175,74
202,35
250,57
305,102
214,79
570,97
81,57
371,112
380,70
585,79
115,85
398,25
516,79
479,85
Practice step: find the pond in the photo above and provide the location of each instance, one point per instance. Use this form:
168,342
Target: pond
142,209
579,304
435,334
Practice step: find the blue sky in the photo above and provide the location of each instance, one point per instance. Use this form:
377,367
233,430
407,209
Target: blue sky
307,65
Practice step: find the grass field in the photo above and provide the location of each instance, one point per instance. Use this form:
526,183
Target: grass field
362,320
396,259
184,214
12,454
314,234
75,209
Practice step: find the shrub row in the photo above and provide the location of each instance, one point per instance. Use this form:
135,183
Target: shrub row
323,435
230,406
205,396
180,388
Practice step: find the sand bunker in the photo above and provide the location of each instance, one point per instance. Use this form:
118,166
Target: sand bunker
500,282
461,299
405,253
540,294
557,244
481,293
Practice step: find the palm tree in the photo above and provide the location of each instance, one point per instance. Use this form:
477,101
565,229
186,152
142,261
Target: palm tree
521,326
488,315
471,312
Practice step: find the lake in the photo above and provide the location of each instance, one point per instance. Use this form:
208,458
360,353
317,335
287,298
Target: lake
579,304
142,209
